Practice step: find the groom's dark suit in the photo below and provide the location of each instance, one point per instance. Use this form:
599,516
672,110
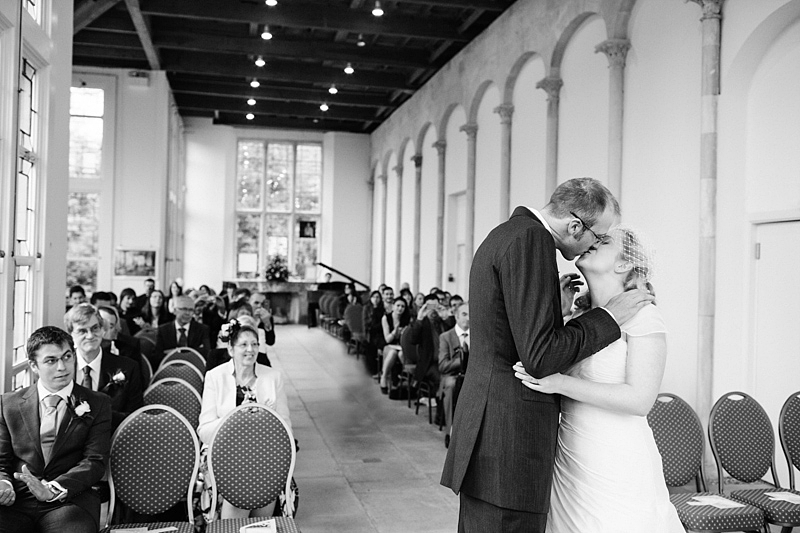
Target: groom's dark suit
504,434
78,457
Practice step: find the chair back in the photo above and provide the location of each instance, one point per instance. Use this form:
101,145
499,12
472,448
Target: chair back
251,457
679,437
410,352
147,369
354,319
181,370
178,394
185,353
789,431
742,439
155,456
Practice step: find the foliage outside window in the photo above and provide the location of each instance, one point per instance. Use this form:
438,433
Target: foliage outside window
278,202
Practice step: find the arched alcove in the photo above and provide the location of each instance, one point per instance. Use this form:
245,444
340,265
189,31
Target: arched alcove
455,188
487,164
390,253
409,186
429,212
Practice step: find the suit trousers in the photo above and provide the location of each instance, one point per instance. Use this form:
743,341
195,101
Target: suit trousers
478,516
27,514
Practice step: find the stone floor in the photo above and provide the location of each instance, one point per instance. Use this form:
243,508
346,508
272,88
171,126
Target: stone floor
366,463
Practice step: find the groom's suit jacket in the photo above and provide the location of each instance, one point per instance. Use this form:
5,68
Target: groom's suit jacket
80,451
504,435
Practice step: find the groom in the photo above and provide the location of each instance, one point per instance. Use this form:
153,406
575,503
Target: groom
503,443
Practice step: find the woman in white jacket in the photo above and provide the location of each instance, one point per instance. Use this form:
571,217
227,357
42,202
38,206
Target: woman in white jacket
239,381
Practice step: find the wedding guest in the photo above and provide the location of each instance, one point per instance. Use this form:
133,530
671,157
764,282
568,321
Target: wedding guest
175,290
394,324
184,331
154,312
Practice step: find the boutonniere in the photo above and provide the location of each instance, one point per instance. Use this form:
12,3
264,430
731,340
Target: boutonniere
80,408
117,378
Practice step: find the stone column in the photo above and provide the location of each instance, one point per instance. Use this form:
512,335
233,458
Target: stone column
440,146
371,185
417,159
398,254
616,50
711,20
552,86
384,203
471,129
505,111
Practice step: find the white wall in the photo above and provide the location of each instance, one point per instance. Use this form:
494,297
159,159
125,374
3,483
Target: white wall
408,215
429,210
487,166
390,254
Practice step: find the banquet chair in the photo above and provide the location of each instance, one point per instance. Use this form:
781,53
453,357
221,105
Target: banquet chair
354,321
181,370
743,444
155,457
147,370
178,394
185,353
789,431
250,461
680,441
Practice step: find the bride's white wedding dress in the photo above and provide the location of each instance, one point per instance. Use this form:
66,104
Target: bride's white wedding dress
608,475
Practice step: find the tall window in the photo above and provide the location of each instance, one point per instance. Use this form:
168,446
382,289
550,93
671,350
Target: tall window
85,171
278,202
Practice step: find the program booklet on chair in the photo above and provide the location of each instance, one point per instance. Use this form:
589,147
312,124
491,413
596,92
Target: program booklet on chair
265,526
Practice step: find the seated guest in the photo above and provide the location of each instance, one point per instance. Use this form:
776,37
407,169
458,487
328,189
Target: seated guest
100,298
76,296
220,355
453,349
372,316
149,287
239,381
205,312
175,290
241,294
424,334
128,310
184,331
55,438
419,301
117,342
449,314
100,370
393,325
349,297
154,312
262,311
228,289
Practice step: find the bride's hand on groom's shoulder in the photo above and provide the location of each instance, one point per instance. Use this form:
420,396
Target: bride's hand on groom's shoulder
625,305
546,385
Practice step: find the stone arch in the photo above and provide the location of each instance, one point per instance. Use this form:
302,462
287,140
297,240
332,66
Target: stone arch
619,26
511,80
472,115
401,152
446,119
385,165
421,137
565,38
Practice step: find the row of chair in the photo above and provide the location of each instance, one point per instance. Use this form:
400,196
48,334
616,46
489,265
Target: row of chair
178,383
743,444
155,460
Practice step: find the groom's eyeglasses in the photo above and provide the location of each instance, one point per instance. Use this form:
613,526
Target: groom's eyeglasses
598,238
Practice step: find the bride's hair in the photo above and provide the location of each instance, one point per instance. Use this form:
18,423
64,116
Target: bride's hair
635,250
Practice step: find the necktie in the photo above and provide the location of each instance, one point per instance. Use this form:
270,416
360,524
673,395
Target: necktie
49,428
87,377
465,343
182,340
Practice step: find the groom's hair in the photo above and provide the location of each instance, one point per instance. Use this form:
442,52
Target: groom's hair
585,196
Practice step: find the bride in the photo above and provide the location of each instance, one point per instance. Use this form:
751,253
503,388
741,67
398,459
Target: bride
608,475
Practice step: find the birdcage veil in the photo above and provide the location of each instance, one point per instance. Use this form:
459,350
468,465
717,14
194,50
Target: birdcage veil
637,249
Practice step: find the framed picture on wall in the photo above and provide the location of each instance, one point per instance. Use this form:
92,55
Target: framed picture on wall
135,263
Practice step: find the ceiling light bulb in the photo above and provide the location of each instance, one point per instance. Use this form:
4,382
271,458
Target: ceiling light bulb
272,3
361,41
323,107
349,69
251,101
266,34
377,11
260,62
249,116
333,89
254,84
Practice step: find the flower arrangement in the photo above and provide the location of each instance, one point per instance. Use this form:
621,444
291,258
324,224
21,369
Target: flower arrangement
277,269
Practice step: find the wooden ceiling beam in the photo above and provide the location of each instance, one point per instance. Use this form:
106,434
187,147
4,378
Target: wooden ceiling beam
142,25
285,109
110,40
305,16
228,119
485,5
107,52
88,11
292,94
111,23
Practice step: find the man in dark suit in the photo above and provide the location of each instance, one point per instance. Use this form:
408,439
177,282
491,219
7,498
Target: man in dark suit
503,441
54,444
453,344
424,334
183,331
100,370
149,287
119,343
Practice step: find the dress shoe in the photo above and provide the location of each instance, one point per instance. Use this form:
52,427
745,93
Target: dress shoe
447,441
385,390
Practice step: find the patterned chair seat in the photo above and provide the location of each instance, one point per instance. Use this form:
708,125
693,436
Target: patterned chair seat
285,525
707,518
777,512
181,527
181,370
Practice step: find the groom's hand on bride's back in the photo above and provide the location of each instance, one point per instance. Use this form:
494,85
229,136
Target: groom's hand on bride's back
623,306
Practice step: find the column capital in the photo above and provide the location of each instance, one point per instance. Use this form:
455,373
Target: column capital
440,146
552,86
417,159
471,129
616,50
505,111
712,9
399,169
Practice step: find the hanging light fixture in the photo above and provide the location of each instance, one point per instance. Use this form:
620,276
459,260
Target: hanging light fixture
266,34
349,69
260,61
271,3
323,107
333,89
254,84
377,11
251,101
249,116
361,43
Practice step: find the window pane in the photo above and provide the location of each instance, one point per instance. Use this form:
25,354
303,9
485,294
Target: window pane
250,174
280,165
248,229
276,232
309,178
305,246
83,225
82,272
21,379
85,147
86,102
23,310
27,106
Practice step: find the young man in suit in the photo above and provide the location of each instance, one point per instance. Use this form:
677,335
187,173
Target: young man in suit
183,331
100,370
453,344
54,444
503,441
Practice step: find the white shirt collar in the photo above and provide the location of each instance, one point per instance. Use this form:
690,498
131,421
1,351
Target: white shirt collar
538,215
460,332
64,393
